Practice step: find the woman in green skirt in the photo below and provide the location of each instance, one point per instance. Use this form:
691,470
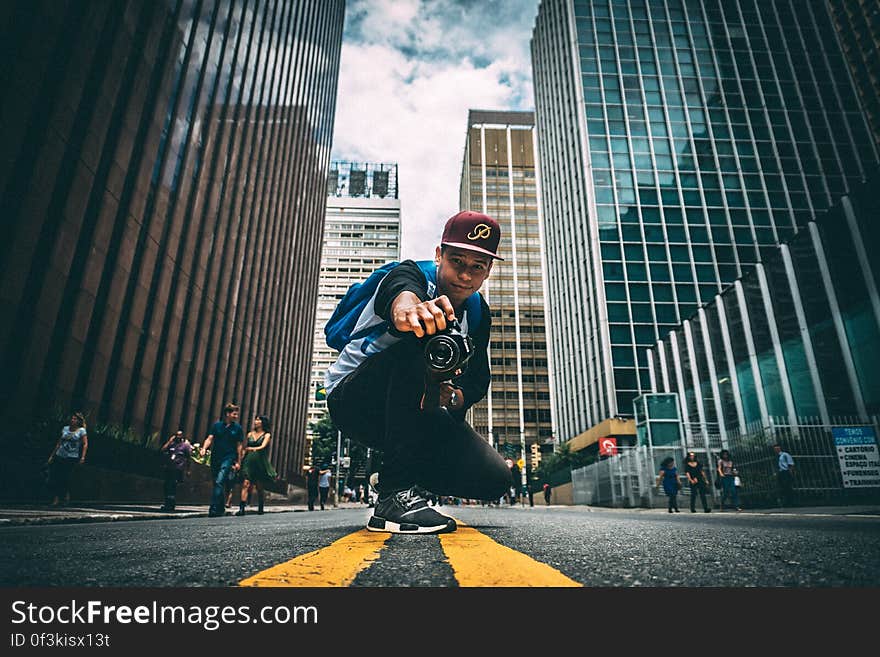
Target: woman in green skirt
255,466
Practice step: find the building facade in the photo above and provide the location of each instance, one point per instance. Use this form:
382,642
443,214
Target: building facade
361,233
795,341
499,179
162,193
679,140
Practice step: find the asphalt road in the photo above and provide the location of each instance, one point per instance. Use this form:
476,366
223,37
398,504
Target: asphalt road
604,548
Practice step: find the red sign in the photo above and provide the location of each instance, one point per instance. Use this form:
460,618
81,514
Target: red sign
607,446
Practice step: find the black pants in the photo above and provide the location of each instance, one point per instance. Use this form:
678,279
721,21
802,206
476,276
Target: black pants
673,500
786,487
173,476
378,405
313,495
698,489
323,491
60,472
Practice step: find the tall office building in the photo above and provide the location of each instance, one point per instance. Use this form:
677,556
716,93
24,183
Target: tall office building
498,178
361,233
679,140
858,24
162,187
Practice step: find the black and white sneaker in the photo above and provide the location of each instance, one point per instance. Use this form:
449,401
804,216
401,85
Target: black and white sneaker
407,512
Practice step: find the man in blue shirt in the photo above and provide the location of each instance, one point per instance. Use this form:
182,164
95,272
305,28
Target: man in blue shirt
785,476
225,440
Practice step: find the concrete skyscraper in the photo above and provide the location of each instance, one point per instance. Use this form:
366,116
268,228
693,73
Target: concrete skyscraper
498,178
679,140
361,233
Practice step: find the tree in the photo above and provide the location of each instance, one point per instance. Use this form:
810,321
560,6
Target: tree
324,440
563,459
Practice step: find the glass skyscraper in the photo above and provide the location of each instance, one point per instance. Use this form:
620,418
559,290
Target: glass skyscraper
796,340
790,354
679,141
858,23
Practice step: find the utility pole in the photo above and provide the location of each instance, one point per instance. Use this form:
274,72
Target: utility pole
338,462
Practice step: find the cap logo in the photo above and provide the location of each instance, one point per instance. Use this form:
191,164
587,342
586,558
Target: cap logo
480,232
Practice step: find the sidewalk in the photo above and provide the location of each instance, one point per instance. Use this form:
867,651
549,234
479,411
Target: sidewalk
863,510
78,512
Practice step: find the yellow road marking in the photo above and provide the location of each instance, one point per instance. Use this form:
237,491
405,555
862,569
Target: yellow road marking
335,565
477,560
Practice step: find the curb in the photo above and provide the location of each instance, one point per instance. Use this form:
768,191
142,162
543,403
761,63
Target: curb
123,517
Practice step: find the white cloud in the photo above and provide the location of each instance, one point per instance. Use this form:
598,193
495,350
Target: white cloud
409,73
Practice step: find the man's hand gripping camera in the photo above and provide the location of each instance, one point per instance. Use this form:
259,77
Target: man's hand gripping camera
446,355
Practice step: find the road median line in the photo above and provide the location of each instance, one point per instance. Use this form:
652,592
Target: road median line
478,560
335,565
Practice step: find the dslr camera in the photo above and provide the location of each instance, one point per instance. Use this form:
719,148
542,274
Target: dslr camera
447,352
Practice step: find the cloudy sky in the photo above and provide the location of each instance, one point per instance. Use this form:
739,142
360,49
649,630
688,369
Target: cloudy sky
410,71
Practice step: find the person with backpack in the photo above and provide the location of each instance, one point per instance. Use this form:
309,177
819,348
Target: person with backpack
381,394
177,453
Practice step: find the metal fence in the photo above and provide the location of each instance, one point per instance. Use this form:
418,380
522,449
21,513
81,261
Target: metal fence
625,480
628,479
817,477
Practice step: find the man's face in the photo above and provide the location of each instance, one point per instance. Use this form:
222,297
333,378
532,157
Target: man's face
461,272
231,416
777,449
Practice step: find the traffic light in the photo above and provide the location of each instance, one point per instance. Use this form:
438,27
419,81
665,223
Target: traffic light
536,456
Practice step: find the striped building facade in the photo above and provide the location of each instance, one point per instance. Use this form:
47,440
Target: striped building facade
162,192
796,341
499,179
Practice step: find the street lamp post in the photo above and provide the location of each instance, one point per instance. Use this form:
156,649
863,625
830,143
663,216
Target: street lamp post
338,463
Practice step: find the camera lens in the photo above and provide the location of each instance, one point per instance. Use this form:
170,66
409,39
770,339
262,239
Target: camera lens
442,353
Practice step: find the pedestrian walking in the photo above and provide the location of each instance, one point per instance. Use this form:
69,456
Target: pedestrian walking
69,451
257,471
312,486
324,484
693,469
177,451
784,476
668,477
728,473
547,493
225,440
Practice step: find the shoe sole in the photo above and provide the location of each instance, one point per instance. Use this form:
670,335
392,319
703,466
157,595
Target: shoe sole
381,525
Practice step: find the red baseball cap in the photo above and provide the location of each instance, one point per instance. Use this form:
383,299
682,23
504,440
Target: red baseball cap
473,231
